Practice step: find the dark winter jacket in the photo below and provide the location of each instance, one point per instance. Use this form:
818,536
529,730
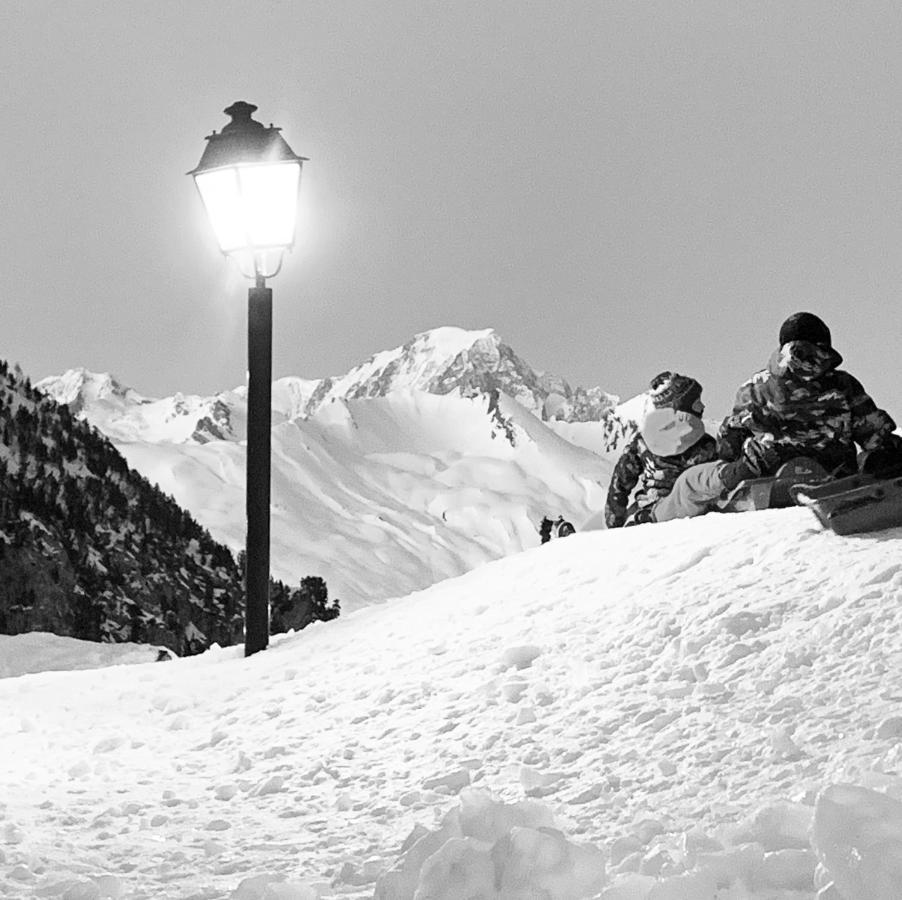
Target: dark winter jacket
653,473
809,407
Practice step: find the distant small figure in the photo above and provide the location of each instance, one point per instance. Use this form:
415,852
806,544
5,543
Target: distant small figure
163,656
555,528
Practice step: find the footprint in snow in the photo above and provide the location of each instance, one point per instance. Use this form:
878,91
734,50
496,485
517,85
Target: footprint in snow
108,744
684,566
520,657
883,575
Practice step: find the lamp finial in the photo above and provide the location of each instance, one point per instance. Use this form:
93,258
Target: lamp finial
240,112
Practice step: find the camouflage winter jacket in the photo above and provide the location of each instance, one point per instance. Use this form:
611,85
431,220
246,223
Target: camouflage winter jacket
807,406
652,474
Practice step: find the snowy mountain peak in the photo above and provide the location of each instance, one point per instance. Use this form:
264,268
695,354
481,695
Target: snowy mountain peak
423,363
449,359
79,387
123,414
448,341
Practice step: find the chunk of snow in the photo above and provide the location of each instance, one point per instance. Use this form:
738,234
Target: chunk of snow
890,728
461,869
778,826
452,782
857,835
543,863
688,886
272,887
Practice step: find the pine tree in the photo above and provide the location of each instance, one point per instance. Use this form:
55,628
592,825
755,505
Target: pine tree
314,591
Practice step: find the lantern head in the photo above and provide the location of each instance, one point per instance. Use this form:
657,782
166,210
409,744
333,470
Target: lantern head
248,179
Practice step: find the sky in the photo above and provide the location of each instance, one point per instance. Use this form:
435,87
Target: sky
614,187
699,708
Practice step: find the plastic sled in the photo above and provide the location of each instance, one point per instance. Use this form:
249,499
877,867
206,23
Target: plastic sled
775,491
856,504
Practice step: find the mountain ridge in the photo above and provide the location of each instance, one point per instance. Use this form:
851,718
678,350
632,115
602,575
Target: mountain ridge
448,358
439,361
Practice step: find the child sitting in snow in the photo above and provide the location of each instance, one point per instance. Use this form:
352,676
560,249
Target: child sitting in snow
670,440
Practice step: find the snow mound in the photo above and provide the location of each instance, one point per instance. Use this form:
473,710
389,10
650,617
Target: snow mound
858,837
37,651
489,849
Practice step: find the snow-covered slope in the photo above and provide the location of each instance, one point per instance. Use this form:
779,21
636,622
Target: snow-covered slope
39,651
388,495
683,702
417,465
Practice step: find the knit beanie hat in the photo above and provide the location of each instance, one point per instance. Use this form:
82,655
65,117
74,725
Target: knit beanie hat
805,326
673,391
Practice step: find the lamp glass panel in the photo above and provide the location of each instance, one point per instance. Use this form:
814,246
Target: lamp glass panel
270,198
221,194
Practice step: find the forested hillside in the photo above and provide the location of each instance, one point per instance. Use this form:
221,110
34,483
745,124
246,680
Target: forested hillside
91,549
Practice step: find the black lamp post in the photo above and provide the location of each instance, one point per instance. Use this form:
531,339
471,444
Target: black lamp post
248,179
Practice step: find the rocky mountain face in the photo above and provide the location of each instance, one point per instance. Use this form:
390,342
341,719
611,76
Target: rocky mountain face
473,362
90,549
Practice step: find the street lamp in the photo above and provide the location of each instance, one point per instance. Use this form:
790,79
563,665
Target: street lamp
248,179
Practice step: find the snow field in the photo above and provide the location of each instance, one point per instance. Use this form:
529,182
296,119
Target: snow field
699,710
421,486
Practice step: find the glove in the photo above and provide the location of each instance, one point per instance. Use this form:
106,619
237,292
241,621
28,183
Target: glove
884,461
760,455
